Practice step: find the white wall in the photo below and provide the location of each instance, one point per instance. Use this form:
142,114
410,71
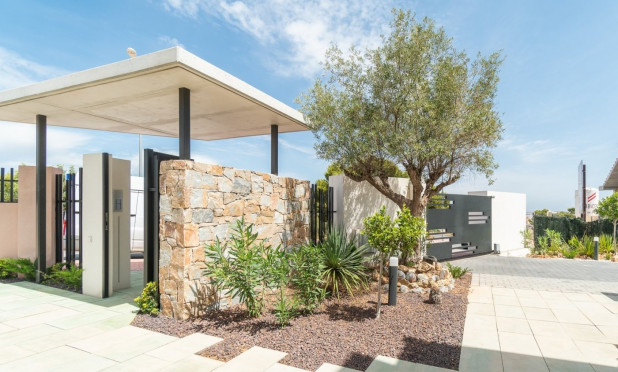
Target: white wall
508,218
356,200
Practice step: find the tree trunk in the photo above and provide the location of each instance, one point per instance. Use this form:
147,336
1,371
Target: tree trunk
614,237
379,288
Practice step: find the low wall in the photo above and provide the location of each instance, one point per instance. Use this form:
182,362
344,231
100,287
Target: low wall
8,230
18,220
198,203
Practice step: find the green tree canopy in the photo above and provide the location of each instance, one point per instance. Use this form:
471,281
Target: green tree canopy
608,208
415,102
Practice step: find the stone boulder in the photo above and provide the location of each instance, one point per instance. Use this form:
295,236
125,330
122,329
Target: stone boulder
410,276
435,296
424,267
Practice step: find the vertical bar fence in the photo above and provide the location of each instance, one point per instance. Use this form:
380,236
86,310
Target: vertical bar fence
321,213
8,186
69,218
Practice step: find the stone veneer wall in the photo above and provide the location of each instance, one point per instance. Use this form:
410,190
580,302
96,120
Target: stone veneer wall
198,204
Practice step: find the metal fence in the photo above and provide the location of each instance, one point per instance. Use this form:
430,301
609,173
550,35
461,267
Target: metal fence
69,217
8,186
321,212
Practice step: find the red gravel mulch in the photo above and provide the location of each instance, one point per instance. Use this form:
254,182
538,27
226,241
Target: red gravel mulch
342,332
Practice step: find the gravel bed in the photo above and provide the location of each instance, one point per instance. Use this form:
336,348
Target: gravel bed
342,332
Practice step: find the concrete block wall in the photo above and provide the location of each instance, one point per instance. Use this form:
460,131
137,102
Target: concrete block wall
198,204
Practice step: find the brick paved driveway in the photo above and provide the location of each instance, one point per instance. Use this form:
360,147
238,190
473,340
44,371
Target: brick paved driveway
583,276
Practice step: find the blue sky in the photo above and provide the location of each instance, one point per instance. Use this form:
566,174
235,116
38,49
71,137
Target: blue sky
558,94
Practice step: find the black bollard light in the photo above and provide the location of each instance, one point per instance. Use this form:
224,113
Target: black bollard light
393,264
596,248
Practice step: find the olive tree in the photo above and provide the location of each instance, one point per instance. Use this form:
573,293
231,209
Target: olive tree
414,101
608,208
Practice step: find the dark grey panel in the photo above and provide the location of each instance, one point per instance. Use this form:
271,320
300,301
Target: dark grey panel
466,221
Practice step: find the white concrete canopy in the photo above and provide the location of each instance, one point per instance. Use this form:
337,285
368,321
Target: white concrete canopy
611,182
140,95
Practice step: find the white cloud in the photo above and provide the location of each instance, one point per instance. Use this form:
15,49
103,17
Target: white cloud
64,146
17,71
298,33
170,41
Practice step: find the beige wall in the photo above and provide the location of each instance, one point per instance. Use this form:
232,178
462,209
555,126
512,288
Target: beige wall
18,220
8,230
198,202
26,219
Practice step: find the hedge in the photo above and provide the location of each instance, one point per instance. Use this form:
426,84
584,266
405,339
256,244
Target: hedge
569,227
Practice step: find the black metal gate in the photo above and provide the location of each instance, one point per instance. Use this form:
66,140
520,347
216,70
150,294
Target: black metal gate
321,209
69,218
152,161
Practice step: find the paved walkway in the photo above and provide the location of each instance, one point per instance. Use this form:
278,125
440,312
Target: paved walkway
535,315
48,329
507,328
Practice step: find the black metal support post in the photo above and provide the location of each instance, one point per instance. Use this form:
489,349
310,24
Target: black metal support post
274,149
184,123
105,169
41,165
596,248
58,218
393,266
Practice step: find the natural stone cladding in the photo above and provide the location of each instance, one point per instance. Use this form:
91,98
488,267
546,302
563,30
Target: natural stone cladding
198,203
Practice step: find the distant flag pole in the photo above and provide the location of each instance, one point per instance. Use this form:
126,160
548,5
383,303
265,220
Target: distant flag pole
584,193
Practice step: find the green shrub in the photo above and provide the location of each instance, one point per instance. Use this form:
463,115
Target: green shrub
70,276
567,252
307,275
343,262
587,246
606,244
148,301
556,244
20,266
5,273
542,245
243,267
456,271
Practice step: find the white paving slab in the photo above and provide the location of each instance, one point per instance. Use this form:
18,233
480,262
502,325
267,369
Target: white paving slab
255,359
386,364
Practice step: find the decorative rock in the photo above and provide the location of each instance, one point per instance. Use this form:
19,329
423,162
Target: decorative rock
413,285
434,278
404,268
452,281
404,289
421,277
451,286
435,296
443,289
444,273
410,276
401,274
385,288
442,283
423,283
424,267
438,266
418,290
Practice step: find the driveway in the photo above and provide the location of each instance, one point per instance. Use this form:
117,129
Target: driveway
529,314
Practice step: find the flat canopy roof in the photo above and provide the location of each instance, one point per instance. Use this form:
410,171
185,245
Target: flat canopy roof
140,95
611,182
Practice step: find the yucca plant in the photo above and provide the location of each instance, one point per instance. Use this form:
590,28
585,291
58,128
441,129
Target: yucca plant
343,262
